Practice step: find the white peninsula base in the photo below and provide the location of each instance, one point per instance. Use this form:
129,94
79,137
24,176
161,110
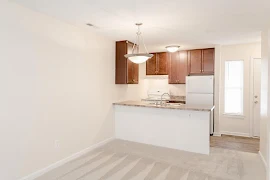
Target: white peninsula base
186,130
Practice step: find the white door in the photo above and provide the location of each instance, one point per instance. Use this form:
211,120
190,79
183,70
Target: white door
256,96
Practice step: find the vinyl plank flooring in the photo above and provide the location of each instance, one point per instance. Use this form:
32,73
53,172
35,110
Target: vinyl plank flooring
244,144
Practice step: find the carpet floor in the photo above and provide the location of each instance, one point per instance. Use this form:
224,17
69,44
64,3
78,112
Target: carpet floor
123,160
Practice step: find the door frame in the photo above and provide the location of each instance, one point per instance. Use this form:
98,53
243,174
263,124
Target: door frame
251,95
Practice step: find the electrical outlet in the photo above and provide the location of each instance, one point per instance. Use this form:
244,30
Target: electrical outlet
56,144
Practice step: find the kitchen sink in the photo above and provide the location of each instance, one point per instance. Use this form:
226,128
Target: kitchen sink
167,104
174,104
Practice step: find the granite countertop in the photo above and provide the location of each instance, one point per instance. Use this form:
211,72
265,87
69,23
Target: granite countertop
181,99
180,107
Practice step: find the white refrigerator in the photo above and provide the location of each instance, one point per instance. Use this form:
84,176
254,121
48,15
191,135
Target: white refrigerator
200,91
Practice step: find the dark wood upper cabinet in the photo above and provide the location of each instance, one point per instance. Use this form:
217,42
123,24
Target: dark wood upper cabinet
201,61
162,63
208,61
183,64
178,67
126,72
151,65
158,64
195,61
174,68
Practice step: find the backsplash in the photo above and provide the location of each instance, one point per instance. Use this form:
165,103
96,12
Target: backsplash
158,82
162,83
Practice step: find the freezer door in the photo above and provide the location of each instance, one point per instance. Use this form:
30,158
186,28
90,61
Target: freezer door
199,99
200,84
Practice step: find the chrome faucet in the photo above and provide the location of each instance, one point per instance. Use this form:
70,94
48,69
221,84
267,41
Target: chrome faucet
161,102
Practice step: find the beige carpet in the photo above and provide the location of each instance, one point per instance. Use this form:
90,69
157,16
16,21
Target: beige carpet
122,160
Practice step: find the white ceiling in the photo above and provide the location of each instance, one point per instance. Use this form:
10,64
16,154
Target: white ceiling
189,23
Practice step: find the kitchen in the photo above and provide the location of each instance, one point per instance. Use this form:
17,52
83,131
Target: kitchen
194,112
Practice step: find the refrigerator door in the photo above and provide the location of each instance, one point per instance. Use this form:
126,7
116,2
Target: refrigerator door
200,84
200,99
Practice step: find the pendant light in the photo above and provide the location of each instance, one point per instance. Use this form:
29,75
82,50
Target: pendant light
136,56
172,48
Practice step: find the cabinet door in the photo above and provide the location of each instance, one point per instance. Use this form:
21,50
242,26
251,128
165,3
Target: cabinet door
121,63
129,72
162,61
132,72
174,60
135,73
132,68
151,65
129,65
208,61
183,67
195,61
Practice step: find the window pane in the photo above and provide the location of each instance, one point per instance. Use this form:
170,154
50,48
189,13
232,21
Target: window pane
234,74
233,101
233,91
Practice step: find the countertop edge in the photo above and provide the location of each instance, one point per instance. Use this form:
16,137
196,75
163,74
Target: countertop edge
183,107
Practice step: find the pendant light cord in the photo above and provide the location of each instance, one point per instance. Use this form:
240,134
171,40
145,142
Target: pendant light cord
137,41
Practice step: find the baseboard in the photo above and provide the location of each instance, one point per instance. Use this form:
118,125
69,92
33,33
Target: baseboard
216,134
263,160
235,133
65,160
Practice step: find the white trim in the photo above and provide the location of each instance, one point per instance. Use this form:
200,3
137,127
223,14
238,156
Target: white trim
263,160
217,134
251,92
235,133
57,164
236,116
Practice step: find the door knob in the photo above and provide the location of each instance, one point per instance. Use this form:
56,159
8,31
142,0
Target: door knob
255,96
256,102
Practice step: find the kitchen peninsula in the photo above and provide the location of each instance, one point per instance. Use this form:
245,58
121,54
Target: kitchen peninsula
177,126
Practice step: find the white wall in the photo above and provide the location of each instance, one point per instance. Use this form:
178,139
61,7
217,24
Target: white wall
57,83
265,97
229,124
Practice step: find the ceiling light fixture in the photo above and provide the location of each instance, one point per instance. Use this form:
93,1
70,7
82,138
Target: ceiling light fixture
172,48
136,56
